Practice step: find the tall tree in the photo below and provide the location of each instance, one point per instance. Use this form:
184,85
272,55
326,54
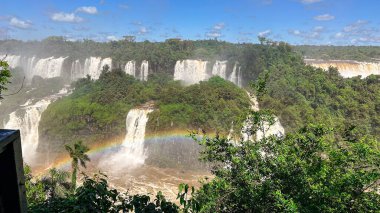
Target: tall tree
78,156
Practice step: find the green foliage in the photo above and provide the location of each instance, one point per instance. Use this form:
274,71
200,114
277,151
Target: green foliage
35,190
55,183
97,109
307,171
300,94
5,74
95,195
79,157
359,53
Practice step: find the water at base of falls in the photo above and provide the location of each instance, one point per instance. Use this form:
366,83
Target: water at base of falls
131,153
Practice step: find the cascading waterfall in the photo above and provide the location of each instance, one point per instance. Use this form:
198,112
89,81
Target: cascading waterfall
76,70
219,69
48,67
28,125
144,69
348,69
132,152
29,121
45,67
191,71
134,138
236,75
92,66
130,68
13,60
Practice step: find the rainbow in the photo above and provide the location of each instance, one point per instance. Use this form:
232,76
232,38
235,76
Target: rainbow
103,147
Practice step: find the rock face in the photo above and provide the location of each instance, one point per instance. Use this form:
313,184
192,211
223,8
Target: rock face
348,69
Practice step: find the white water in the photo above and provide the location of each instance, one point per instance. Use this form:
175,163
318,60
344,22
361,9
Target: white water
92,66
29,121
132,153
48,67
191,71
45,67
144,69
236,75
275,129
348,69
219,69
28,125
130,68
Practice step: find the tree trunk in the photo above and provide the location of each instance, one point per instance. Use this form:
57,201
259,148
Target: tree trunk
74,179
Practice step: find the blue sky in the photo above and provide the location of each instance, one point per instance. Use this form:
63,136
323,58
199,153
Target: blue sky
337,22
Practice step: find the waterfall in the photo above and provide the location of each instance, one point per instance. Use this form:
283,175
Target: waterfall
45,67
28,125
219,69
92,66
144,70
275,129
236,75
347,69
191,71
76,70
13,60
27,119
131,154
130,68
134,138
48,67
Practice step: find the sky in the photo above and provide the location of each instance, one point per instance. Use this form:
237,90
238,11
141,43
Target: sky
317,22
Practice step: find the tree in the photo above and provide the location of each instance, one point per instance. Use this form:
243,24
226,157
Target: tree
5,74
35,192
306,171
78,156
56,183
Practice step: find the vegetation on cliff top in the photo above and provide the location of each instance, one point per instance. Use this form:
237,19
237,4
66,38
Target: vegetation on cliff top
97,109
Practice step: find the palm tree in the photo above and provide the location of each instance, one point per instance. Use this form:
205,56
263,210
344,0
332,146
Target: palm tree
78,155
56,183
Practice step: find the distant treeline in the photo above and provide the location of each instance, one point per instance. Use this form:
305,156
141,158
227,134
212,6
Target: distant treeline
358,53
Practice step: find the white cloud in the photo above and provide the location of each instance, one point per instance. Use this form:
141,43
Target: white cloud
265,33
215,31
88,10
312,34
112,38
324,17
310,1
213,34
354,27
219,26
142,31
66,17
15,22
295,32
339,35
